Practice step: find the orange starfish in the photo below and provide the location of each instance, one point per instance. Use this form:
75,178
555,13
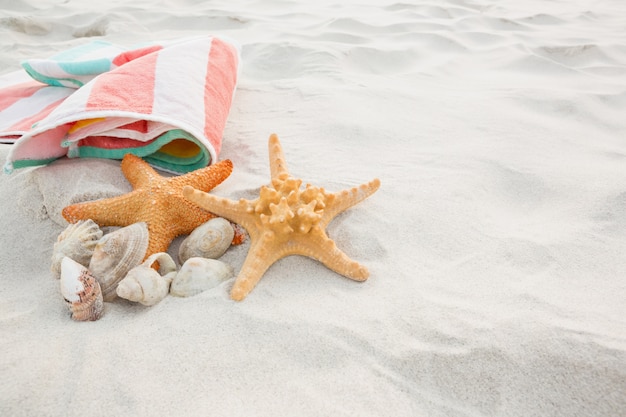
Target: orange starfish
286,220
156,200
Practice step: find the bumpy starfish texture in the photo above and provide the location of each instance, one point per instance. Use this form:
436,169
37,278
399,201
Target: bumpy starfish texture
156,200
286,220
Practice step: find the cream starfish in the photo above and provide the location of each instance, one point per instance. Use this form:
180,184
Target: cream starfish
156,200
286,220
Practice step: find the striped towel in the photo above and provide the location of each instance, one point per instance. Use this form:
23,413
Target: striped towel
166,102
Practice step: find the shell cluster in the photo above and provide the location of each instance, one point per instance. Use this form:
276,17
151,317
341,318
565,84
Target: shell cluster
77,242
209,240
81,291
200,274
116,254
94,267
144,284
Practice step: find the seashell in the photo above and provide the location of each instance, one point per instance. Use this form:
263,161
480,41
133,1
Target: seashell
116,253
77,242
199,274
209,240
81,291
145,285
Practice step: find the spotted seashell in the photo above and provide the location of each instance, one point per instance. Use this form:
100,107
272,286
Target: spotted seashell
115,254
81,291
143,284
209,240
199,274
77,242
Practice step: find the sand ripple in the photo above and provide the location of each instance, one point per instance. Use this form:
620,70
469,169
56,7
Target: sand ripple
496,243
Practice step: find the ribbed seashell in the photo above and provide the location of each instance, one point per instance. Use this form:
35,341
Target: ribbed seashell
143,284
81,291
115,254
77,242
209,240
199,274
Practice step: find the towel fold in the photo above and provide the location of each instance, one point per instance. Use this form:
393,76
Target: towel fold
166,102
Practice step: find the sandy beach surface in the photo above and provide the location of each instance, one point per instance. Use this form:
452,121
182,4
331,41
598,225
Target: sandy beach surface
496,243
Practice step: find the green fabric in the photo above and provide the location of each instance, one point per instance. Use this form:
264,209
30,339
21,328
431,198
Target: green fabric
95,66
152,155
50,81
25,163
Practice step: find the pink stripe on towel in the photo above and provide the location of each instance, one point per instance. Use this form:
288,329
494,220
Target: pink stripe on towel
18,92
113,142
25,124
221,71
126,88
126,57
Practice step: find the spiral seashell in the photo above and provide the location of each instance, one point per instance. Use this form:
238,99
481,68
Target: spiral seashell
199,274
144,285
115,254
81,291
209,240
77,242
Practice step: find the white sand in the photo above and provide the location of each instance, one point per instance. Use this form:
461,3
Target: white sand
496,243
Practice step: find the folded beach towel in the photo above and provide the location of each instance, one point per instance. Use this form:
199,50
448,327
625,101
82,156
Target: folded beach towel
166,102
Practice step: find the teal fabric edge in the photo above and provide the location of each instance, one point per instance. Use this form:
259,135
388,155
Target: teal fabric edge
26,163
50,81
92,67
152,155
183,169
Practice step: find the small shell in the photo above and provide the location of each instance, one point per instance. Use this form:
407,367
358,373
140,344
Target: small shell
144,285
199,274
116,254
77,242
81,291
209,240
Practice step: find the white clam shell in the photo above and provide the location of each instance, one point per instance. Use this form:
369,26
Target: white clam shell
81,291
199,274
77,242
116,253
143,284
209,240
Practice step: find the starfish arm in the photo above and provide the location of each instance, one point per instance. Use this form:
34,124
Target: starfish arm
137,171
156,200
278,166
320,247
341,201
237,212
106,212
261,256
207,178
285,220
157,243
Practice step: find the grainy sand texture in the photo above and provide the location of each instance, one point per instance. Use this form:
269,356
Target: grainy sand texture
496,244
